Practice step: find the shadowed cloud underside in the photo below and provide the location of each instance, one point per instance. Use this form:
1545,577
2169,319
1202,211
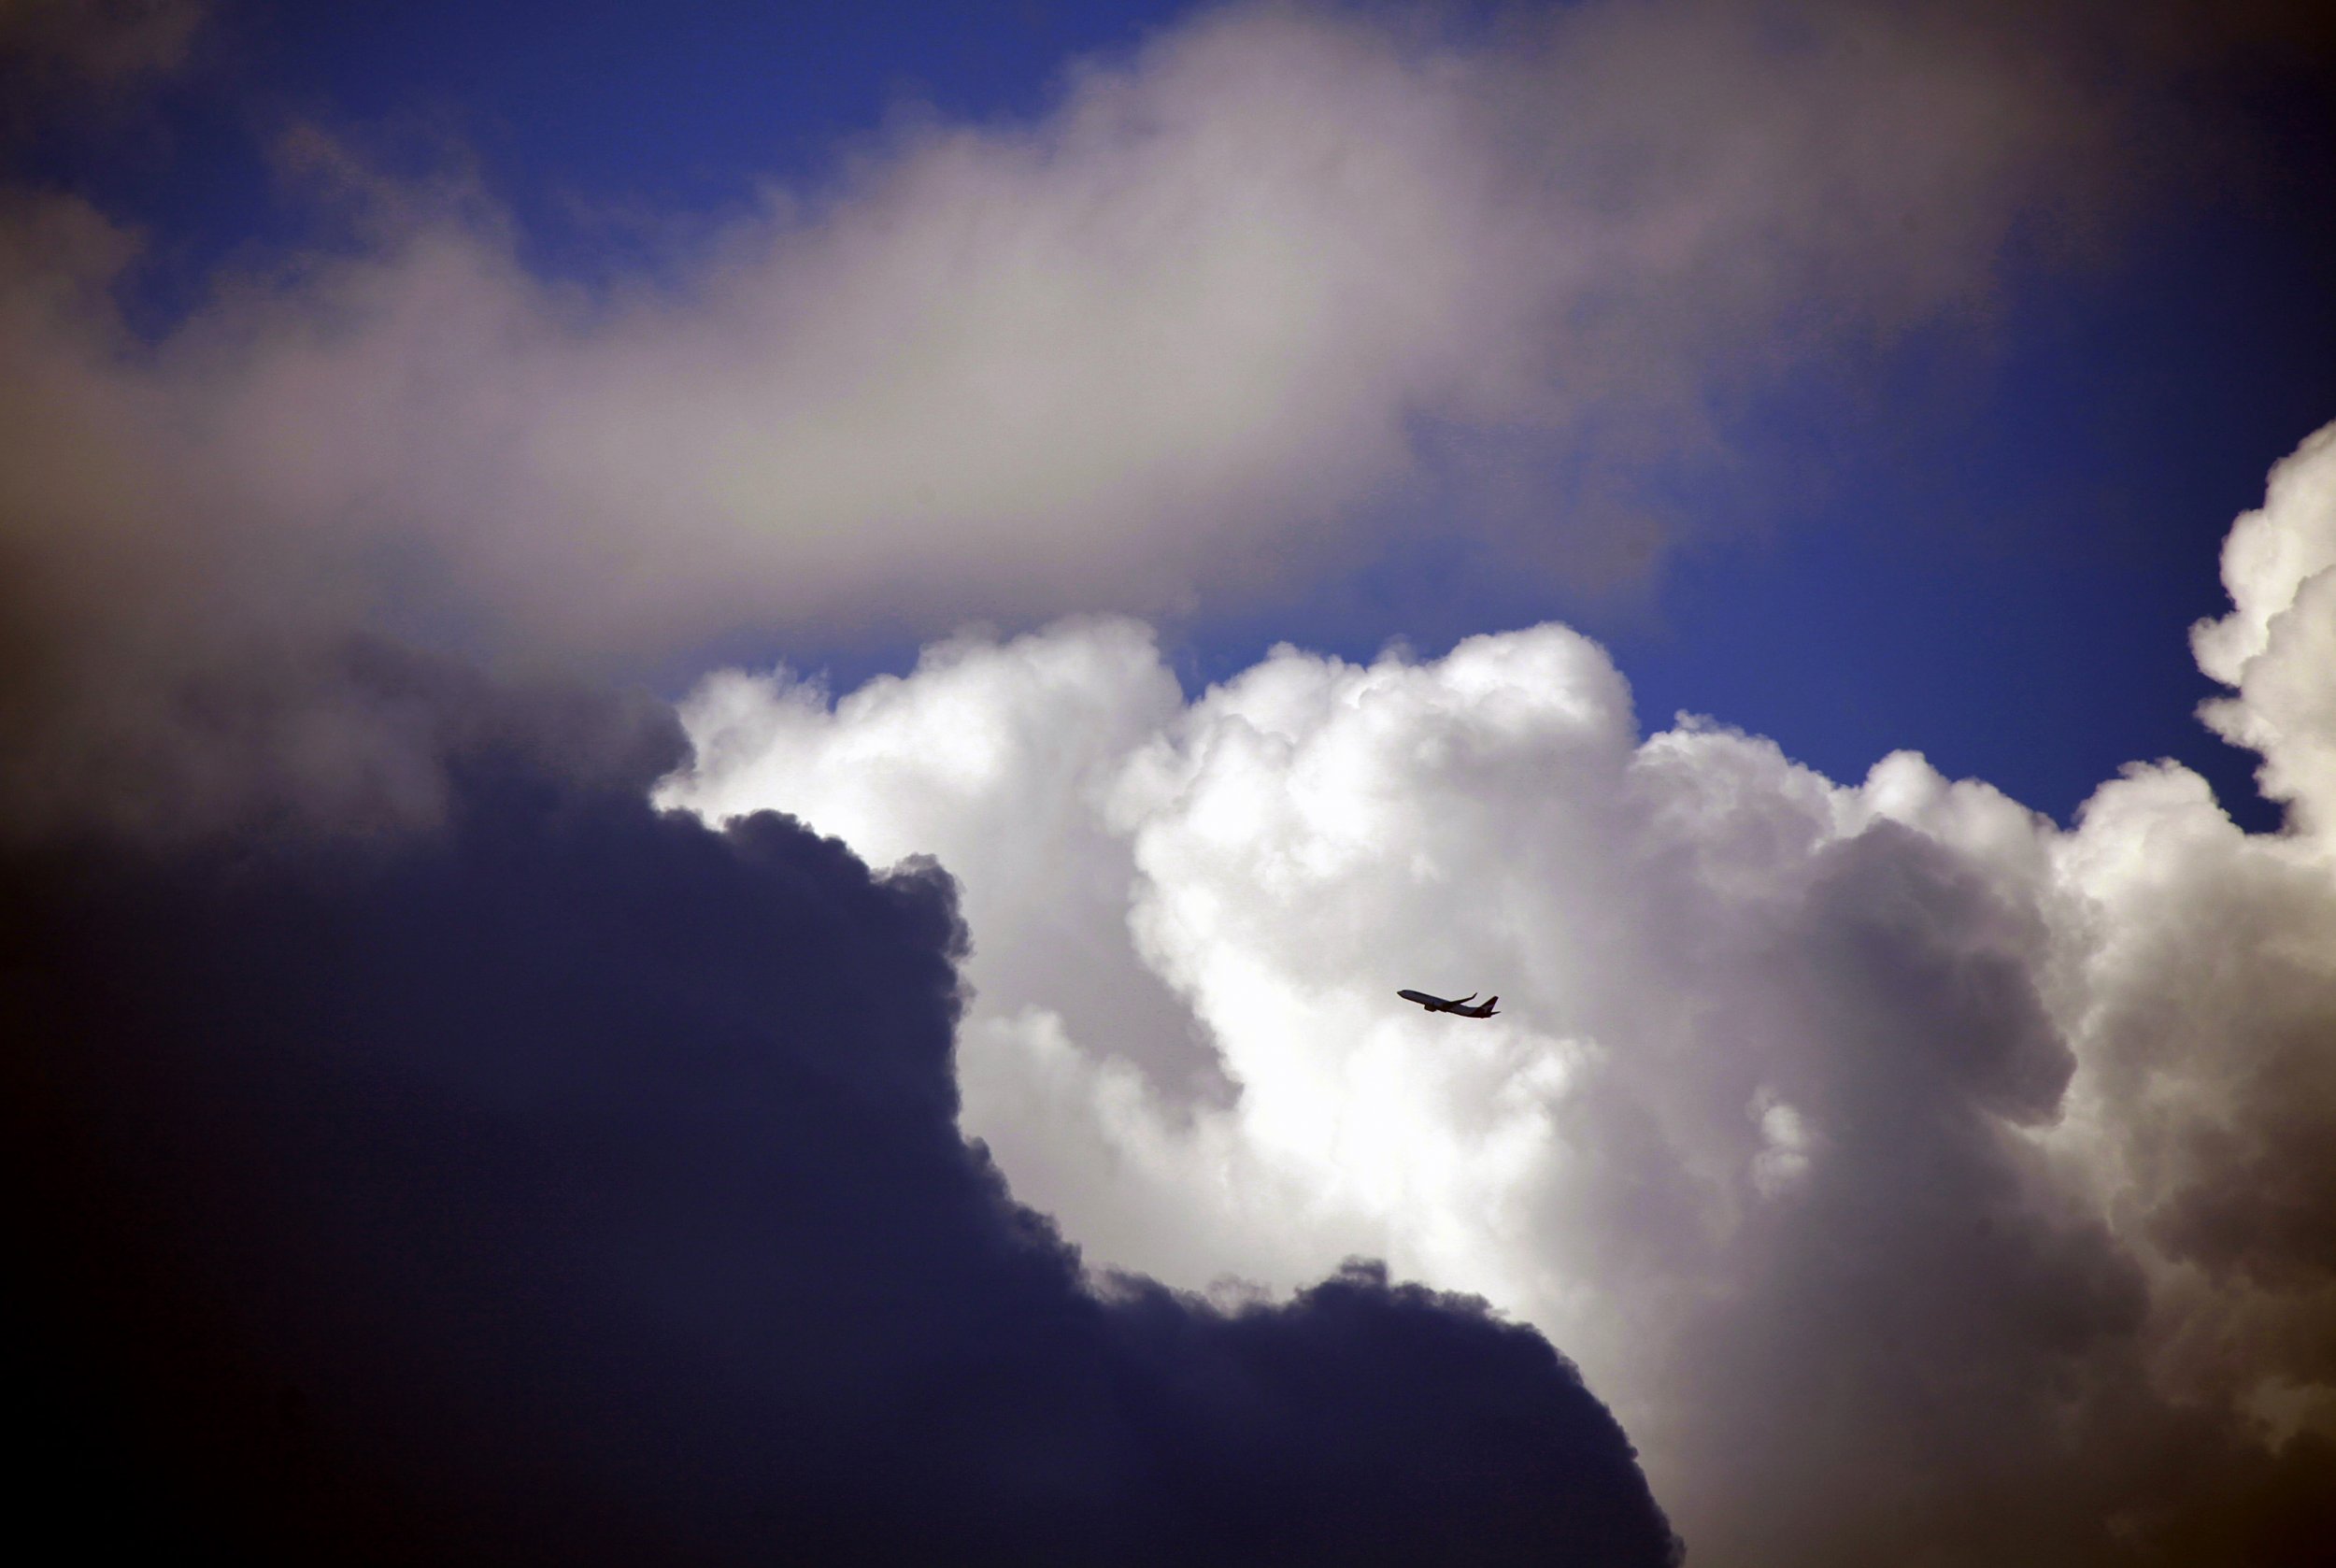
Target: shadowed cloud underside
574,1183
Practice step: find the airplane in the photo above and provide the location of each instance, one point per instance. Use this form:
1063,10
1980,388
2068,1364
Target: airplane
1484,1009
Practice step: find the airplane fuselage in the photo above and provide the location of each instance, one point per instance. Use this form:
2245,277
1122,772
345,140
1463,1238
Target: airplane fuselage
1445,1004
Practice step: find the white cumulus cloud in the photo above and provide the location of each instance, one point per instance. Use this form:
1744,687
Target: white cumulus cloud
1914,1175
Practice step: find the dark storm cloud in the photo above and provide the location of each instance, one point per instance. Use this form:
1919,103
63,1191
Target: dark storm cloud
570,1182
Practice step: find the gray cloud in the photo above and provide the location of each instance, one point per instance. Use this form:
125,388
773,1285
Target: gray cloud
99,42
1196,331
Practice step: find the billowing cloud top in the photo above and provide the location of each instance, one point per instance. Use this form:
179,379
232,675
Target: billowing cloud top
1921,1180
2274,647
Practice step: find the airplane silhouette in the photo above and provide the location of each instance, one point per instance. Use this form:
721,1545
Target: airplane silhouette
1484,1009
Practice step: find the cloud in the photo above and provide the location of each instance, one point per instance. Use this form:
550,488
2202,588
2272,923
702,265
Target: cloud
2274,647
1919,1180
1245,301
99,42
569,1183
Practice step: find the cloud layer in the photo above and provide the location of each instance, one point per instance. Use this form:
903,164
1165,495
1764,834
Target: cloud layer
1242,301
572,1184
1920,1180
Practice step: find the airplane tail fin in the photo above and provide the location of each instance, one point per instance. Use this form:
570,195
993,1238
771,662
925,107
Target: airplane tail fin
1491,1003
